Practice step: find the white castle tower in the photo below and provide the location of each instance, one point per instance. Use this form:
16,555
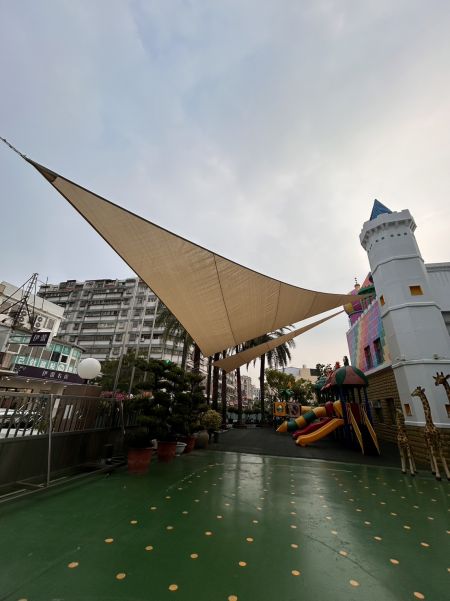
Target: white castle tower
416,335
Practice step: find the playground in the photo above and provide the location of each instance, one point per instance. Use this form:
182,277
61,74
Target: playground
216,526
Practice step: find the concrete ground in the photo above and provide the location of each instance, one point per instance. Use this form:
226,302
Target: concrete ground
265,441
224,526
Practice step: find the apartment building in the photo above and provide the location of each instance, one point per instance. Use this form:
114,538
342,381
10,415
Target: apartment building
108,318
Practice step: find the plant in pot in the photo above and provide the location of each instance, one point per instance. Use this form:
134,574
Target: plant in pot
139,452
157,411
189,404
211,420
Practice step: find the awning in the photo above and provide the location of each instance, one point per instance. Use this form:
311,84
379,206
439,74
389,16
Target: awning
234,361
219,302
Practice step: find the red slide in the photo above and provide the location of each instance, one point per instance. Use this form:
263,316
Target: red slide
311,428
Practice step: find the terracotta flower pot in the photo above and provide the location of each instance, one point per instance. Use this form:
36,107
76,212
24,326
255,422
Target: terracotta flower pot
166,451
190,443
201,439
139,460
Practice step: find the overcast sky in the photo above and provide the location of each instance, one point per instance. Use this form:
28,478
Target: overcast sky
260,129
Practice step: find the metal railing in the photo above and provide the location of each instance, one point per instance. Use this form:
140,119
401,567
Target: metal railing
29,414
25,418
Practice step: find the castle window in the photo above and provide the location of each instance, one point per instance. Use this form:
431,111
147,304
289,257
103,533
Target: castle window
381,300
408,410
378,351
416,290
447,408
390,405
368,356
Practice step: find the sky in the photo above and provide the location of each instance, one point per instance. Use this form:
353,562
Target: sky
260,129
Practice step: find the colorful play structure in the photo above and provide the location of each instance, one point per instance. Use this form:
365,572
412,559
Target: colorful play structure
345,412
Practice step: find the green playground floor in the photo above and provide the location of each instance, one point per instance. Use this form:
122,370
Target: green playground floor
216,526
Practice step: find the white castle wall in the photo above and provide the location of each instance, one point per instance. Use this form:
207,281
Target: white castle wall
415,330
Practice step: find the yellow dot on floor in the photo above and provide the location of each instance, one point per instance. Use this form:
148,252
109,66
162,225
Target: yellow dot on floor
343,553
169,527
73,564
109,540
377,538
168,497
418,595
406,527
368,523
173,587
232,598
425,544
227,504
196,500
121,576
133,522
249,539
242,564
295,573
293,513
395,562
194,555
208,533
185,512
334,532
354,582
393,513
149,548
358,509
255,521
294,546
153,508
293,526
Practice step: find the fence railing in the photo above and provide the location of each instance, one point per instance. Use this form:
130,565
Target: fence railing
35,414
44,433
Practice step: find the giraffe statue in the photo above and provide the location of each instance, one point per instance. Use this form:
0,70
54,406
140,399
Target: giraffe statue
403,445
439,378
432,436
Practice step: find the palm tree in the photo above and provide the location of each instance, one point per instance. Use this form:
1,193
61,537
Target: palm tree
277,357
174,331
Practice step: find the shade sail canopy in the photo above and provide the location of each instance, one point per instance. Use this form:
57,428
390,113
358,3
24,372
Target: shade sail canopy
219,302
234,361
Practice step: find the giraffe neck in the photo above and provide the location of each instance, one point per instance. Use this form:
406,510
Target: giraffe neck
426,410
446,385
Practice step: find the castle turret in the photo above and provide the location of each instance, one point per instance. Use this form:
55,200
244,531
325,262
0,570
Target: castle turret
416,333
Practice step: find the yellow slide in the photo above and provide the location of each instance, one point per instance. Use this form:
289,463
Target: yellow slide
310,415
320,433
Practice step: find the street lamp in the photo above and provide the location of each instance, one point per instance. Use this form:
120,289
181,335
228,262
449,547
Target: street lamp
89,368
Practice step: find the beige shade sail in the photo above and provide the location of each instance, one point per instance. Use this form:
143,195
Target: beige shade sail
220,303
234,361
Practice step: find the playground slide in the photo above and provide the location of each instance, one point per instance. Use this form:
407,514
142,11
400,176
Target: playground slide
320,433
302,421
311,428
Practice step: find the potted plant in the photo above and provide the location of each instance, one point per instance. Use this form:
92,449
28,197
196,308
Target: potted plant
156,411
188,406
139,452
211,421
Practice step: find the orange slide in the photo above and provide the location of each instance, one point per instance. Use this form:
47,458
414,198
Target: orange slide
329,427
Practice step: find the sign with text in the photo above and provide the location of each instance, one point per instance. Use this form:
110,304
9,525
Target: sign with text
39,339
47,374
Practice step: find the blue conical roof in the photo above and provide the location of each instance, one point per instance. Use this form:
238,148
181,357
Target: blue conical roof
378,209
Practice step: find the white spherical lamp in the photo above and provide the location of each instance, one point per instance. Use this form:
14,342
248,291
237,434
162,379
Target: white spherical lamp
88,369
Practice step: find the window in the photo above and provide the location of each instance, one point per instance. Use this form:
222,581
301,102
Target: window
55,356
390,403
408,410
378,351
382,300
416,290
368,356
63,359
